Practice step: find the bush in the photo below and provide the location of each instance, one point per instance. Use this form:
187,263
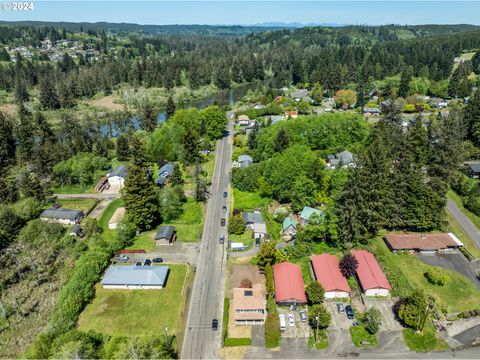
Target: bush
272,330
348,265
280,214
373,320
237,342
435,276
236,225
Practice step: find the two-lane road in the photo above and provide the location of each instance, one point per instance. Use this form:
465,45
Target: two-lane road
206,302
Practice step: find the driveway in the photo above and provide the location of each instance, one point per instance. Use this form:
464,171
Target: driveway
386,308
299,330
182,253
467,226
453,261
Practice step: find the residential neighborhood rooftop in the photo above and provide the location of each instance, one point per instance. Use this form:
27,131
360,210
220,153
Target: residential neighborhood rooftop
289,283
135,275
327,272
61,213
369,273
435,241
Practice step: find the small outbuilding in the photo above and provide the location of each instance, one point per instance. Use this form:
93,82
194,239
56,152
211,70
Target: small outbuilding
76,231
116,218
62,216
245,160
118,175
289,285
165,235
289,227
135,277
370,276
326,268
259,230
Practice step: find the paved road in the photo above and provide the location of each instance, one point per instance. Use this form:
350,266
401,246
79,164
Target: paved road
467,226
206,302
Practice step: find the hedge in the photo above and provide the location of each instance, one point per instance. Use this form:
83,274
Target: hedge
237,341
226,308
272,330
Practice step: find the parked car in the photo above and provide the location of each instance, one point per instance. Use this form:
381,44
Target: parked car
138,263
221,240
222,221
214,324
303,316
147,262
157,260
224,209
349,311
283,323
291,319
340,308
225,194
121,257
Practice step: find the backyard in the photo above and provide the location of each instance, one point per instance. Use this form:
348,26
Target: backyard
144,312
77,204
189,224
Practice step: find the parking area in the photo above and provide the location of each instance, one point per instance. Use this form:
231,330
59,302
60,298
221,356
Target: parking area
339,321
301,329
178,253
389,323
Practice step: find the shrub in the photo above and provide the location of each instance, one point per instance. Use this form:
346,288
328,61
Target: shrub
280,214
272,330
269,279
435,276
348,265
237,342
236,225
373,320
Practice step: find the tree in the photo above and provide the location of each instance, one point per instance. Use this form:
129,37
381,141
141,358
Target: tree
170,204
25,132
10,225
345,98
348,265
177,177
7,144
200,184
282,140
272,330
315,293
269,279
191,146
319,317
404,82
122,148
215,121
317,93
414,309
140,197
170,107
266,255
21,92
471,118
48,94
148,116
303,192
236,225
372,319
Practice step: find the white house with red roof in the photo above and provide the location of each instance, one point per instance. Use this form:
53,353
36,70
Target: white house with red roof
370,276
289,285
327,272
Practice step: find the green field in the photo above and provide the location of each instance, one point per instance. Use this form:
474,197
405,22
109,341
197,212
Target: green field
80,204
189,225
137,312
73,189
247,201
246,238
108,212
359,334
145,242
424,342
405,273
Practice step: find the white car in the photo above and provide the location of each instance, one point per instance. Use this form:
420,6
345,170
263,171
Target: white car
291,320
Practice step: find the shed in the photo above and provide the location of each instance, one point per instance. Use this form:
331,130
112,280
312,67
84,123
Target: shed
135,277
234,246
165,235
289,285
370,276
289,226
327,272
245,160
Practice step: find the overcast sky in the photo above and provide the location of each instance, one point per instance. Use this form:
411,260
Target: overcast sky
251,12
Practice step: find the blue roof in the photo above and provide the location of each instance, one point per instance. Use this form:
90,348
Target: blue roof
289,222
135,275
309,211
164,172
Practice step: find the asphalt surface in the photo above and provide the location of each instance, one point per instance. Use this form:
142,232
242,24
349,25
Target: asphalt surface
467,226
206,304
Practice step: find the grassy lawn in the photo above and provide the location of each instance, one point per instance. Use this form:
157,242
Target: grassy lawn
246,238
304,263
73,189
424,342
209,166
139,312
189,225
454,227
80,204
359,334
145,241
322,336
247,201
405,272
108,212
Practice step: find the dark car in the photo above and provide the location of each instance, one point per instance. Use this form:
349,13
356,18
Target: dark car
157,260
222,221
138,263
147,262
225,194
349,312
214,324
221,240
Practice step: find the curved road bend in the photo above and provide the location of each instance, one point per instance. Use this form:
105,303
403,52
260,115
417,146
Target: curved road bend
206,302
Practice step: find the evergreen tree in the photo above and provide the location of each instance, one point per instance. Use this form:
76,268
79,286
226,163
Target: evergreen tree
48,94
122,148
25,130
7,144
317,93
252,137
200,184
471,115
177,177
405,82
191,147
21,92
282,140
148,116
170,108
315,293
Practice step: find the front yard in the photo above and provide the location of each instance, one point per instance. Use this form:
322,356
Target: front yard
189,225
137,312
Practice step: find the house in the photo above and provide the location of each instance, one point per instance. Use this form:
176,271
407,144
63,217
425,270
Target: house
251,218
278,99
370,111
243,120
473,169
276,118
289,228
135,277
76,231
307,212
301,94
344,158
326,268
291,114
438,103
289,286
259,106
62,216
165,235
118,175
163,174
259,230
116,218
424,243
249,305
369,274
245,160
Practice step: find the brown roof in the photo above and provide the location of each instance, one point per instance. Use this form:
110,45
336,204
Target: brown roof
117,215
434,241
249,298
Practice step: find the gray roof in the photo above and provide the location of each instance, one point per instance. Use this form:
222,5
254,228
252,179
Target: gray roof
120,171
62,213
346,157
165,232
475,167
372,110
276,118
135,275
245,158
301,93
251,218
164,172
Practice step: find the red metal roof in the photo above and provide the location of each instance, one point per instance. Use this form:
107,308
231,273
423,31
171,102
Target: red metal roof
369,272
327,272
288,283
